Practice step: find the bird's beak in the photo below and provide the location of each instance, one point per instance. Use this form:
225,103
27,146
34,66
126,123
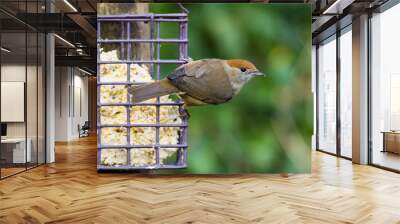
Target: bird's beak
257,73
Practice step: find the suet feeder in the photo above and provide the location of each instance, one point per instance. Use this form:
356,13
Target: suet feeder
139,136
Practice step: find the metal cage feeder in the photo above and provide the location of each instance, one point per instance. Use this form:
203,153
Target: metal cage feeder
154,62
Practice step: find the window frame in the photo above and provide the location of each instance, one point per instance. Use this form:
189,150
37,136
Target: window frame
378,10
333,37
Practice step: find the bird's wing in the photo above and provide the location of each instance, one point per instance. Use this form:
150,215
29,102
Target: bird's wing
205,80
193,68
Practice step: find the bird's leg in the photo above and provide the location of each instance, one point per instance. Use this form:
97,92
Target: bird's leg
185,112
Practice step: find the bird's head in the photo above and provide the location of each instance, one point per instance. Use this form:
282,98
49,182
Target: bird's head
242,71
244,68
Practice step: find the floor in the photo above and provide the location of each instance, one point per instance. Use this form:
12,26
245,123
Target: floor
387,159
10,171
5,172
71,191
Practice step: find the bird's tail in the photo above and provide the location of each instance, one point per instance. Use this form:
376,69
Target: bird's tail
147,91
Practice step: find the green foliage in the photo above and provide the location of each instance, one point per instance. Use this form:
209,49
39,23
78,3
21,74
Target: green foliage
268,126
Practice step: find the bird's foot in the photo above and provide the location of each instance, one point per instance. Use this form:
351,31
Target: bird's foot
185,113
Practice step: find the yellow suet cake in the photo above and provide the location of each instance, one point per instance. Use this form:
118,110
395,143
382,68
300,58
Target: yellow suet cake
138,115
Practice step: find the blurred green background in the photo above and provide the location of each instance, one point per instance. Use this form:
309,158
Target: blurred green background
267,128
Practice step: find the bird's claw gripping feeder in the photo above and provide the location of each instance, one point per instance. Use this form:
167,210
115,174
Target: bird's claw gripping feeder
119,134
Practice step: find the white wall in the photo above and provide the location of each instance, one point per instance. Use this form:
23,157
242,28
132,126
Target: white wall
16,73
360,89
12,73
33,126
61,103
80,110
50,93
71,102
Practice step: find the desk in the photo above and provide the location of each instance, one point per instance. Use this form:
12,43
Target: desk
16,147
391,141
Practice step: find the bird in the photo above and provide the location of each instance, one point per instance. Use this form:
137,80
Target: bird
201,82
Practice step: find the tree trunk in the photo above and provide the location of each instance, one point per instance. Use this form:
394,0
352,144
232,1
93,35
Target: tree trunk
113,30
122,8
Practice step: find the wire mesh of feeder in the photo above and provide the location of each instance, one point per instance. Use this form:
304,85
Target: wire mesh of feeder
145,135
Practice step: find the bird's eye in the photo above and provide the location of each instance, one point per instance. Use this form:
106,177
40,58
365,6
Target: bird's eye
243,69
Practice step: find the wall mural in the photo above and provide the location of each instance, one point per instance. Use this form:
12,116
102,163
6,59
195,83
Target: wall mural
203,89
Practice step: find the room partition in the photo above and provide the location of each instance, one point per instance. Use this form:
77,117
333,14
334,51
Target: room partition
22,77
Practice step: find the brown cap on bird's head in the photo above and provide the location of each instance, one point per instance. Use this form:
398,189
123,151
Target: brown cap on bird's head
243,65
240,63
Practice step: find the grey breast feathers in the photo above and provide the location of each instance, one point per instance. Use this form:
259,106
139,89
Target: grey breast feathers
205,80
